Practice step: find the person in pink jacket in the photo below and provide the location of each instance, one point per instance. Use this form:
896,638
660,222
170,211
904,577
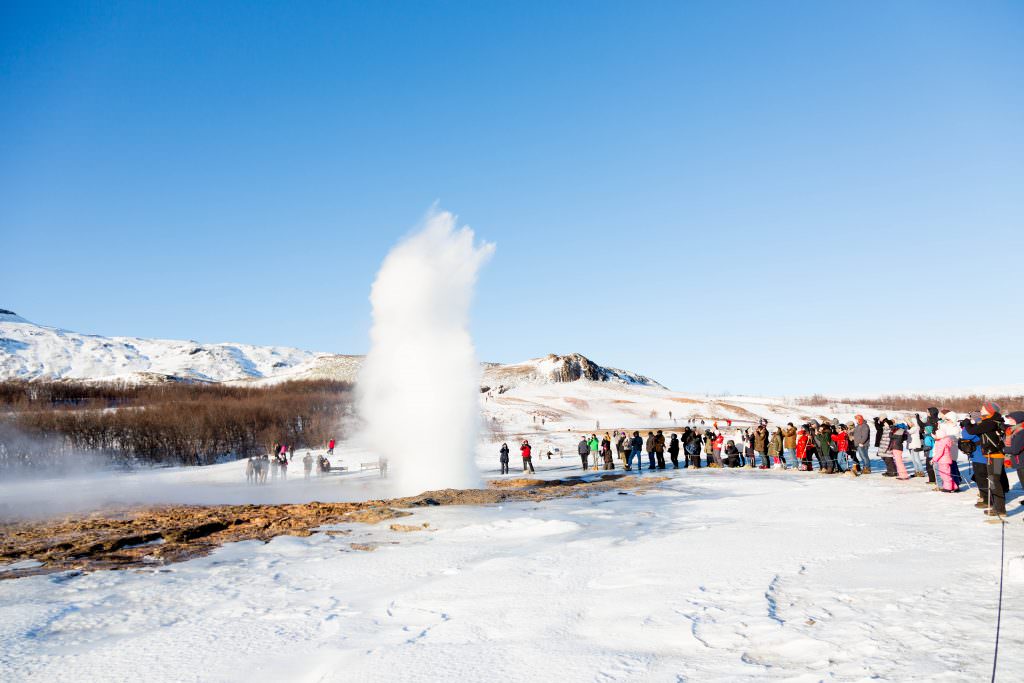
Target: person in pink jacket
945,449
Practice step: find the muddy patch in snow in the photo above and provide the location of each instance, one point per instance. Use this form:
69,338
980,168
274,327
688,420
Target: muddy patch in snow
143,537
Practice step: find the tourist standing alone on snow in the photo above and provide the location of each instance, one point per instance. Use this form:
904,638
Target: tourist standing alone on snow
307,465
527,456
504,458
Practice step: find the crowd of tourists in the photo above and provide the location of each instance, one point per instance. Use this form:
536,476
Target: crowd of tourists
909,446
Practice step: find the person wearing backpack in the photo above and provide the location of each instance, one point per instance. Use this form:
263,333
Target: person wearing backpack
1015,444
693,449
775,448
992,431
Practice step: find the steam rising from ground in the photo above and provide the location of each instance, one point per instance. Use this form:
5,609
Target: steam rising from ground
419,388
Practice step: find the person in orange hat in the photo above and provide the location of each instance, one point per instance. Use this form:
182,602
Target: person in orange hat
991,429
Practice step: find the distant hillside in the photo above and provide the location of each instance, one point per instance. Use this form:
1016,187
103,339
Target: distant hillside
35,352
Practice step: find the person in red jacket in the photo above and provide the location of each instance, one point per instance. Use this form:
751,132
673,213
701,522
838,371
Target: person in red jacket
719,445
842,443
801,451
330,447
527,456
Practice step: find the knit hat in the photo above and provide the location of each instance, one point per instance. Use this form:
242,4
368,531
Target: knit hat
1015,418
990,408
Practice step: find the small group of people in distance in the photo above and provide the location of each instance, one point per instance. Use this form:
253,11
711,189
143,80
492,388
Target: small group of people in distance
990,442
280,457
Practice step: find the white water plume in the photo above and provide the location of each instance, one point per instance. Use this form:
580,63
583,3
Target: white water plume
419,388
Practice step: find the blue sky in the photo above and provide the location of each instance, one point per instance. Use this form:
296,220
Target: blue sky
777,197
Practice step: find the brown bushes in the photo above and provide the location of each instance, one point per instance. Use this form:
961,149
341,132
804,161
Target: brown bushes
918,403
50,424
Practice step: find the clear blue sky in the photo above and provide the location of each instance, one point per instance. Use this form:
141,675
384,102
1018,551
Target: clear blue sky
774,197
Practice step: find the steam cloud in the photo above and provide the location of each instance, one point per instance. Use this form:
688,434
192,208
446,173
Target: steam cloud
419,388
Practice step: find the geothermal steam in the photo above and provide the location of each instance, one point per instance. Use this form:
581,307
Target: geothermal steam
419,388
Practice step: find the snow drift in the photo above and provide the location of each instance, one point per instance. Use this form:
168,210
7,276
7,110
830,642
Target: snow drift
418,390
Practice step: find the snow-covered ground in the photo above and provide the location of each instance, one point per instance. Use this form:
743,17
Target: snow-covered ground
714,575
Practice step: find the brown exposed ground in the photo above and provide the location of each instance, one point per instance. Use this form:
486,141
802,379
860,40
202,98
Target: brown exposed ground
136,537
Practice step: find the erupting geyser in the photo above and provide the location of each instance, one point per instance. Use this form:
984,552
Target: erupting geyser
419,388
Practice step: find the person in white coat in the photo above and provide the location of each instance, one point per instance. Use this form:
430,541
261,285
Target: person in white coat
944,453
916,449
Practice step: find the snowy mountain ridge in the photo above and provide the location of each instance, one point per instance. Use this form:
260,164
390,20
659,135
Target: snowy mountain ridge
35,352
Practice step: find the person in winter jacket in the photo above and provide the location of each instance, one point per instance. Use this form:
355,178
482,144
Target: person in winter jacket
732,454
823,440
583,448
659,449
842,444
606,451
719,445
595,449
788,444
761,445
915,448
944,446
673,451
812,448
1014,450
527,457
897,443
693,448
861,441
775,448
933,421
884,438
330,447
852,461
636,450
652,459
801,451
504,458
992,432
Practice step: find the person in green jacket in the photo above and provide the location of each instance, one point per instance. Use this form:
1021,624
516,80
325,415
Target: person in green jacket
595,446
823,440
775,448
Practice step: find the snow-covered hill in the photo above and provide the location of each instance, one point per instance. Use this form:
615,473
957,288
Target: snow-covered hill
29,351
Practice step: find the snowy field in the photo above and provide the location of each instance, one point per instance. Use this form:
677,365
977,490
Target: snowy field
714,575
